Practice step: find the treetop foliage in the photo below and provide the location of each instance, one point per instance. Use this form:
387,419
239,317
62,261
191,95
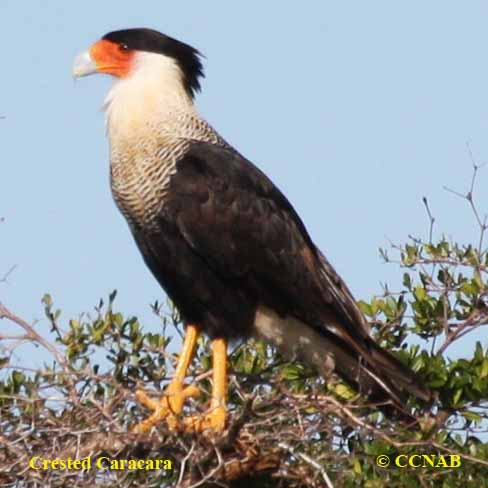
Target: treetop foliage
288,427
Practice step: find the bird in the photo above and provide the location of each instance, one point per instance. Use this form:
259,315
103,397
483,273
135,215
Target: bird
221,239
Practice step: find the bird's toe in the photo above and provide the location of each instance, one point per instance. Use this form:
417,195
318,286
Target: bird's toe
167,407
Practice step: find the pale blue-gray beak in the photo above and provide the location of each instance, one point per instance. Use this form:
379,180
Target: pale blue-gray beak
84,65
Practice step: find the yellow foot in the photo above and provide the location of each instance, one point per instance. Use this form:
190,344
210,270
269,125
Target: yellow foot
168,407
214,420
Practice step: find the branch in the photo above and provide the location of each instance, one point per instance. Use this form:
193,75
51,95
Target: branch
309,461
32,334
8,273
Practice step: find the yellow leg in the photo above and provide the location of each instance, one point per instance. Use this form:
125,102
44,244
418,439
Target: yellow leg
216,416
171,405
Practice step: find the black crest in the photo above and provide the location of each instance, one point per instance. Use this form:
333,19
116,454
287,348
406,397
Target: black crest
149,40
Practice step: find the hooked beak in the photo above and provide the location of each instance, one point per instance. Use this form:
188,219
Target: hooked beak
84,65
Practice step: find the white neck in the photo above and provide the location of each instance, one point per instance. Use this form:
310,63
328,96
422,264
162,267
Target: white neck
152,94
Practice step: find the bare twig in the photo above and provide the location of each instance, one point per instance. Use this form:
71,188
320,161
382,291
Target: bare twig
431,218
469,196
32,334
308,460
8,273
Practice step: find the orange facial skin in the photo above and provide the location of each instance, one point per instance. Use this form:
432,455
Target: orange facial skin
112,58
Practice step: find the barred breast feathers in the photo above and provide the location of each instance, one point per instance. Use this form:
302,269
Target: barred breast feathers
150,121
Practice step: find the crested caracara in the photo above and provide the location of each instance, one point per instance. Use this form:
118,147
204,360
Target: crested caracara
219,236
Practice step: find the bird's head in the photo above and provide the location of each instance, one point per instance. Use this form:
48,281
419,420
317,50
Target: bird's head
124,53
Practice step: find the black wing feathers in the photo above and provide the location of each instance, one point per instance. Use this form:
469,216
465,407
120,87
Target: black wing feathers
227,240
237,221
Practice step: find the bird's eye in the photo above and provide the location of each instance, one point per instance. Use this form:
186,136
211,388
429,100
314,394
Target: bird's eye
123,47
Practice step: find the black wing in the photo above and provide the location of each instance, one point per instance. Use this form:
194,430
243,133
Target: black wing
236,221
228,241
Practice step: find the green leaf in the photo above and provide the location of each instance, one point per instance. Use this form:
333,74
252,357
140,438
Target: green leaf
478,352
344,391
291,372
407,281
366,308
472,416
47,300
457,396
484,368
420,293
18,378
112,296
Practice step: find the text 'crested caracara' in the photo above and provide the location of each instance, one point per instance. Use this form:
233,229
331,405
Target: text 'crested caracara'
220,238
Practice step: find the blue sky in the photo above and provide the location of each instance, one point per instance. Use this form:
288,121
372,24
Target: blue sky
355,109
